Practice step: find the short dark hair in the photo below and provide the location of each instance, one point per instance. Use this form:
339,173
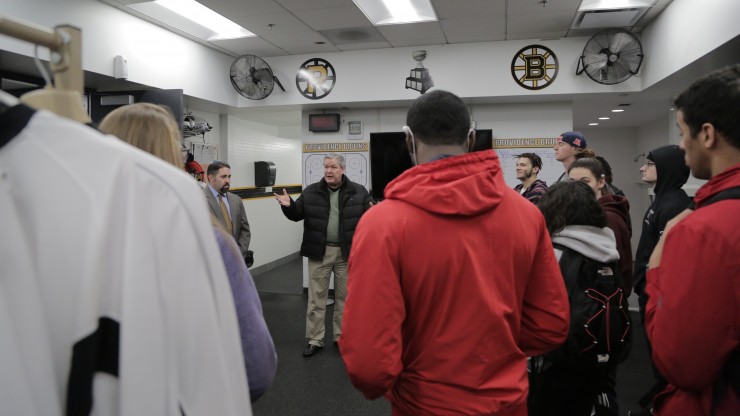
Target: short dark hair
534,158
714,99
215,166
570,203
439,118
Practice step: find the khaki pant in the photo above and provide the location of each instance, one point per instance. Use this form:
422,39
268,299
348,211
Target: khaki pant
319,276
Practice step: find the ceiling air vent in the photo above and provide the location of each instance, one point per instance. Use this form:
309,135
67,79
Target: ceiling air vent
595,14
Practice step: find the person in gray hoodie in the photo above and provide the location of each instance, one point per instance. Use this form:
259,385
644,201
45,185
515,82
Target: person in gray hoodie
575,220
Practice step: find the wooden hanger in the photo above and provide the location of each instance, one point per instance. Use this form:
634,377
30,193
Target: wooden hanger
65,98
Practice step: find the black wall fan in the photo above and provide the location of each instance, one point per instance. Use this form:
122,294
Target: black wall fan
252,77
611,56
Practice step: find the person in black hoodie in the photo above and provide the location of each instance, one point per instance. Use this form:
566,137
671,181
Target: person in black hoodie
666,170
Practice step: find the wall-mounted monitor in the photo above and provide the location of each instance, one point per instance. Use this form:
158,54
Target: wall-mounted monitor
390,158
324,122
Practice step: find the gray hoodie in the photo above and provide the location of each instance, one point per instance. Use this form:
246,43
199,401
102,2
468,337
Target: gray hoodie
595,243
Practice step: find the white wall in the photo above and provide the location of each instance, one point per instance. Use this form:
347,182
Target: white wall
273,235
684,32
469,70
524,120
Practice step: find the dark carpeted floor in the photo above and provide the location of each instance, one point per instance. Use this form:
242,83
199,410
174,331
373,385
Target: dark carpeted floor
319,385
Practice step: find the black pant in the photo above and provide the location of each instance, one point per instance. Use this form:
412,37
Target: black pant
606,401
562,390
660,383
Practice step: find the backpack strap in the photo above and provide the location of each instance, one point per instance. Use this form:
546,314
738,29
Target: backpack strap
729,193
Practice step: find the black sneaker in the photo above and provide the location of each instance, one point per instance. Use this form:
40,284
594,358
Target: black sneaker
311,349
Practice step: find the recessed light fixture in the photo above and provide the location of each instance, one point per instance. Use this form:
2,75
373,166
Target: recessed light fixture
391,12
603,118
618,110
193,18
593,124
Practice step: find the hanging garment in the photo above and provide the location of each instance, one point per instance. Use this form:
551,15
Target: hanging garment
113,296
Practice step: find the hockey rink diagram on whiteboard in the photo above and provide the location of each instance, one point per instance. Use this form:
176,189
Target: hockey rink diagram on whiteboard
356,159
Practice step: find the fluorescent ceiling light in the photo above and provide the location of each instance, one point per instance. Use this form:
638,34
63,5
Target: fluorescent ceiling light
603,118
593,124
619,110
614,4
193,18
390,12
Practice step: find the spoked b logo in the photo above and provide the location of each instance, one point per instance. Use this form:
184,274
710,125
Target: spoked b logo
534,67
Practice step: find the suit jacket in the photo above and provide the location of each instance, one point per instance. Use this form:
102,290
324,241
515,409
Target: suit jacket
241,232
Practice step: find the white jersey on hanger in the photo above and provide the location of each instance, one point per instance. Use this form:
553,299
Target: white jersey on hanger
113,296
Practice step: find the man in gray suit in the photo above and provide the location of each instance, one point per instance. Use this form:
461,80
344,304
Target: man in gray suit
225,206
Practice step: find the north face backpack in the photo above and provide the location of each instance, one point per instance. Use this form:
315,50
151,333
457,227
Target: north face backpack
600,324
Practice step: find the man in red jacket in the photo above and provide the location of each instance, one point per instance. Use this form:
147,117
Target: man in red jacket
453,280
693,281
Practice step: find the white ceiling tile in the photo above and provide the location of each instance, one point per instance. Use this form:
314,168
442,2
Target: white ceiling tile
333,18
230,8
410,32
297,23
473,26
300,43
536,7
303,49
536,36
283,23
297,5
476,38
254,46
448,9
418,42
347,36
364,46
532,23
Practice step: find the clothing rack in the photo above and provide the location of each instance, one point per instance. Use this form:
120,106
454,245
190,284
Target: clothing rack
65,44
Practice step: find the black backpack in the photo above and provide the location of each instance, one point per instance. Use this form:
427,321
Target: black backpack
600,325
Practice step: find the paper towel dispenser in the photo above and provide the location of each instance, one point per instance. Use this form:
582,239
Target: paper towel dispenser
264,174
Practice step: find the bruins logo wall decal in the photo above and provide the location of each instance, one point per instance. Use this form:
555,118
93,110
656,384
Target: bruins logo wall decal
315,78
534,67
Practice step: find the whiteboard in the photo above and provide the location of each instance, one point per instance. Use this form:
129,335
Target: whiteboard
508,148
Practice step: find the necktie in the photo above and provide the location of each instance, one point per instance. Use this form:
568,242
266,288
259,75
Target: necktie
225,213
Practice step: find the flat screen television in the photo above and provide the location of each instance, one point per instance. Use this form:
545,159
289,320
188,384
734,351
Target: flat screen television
323,122
389,156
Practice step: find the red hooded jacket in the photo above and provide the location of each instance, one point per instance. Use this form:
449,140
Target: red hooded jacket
452,283
693,314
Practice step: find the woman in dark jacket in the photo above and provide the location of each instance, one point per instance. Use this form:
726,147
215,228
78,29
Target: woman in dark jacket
616,207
